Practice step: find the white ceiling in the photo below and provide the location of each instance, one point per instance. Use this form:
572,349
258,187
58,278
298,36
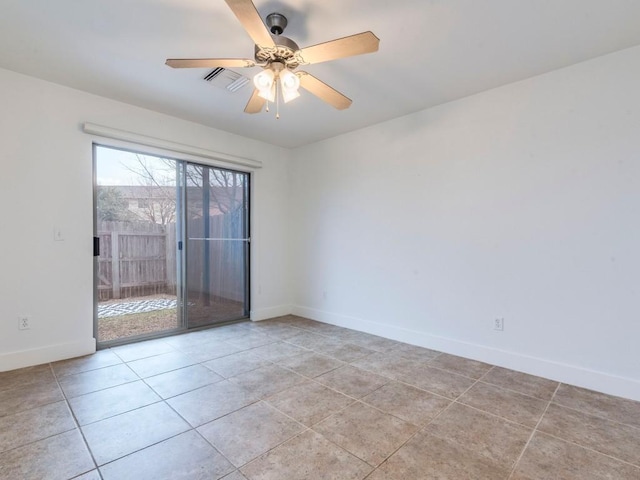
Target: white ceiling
431,52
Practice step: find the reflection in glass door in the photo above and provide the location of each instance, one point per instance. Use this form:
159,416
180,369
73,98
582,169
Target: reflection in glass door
216,223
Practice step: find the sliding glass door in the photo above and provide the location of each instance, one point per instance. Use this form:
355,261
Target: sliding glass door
217,249
137,281
172,242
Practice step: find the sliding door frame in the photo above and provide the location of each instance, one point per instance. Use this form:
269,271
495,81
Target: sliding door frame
246,206
182,160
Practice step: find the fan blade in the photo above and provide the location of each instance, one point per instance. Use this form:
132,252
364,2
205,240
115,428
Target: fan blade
365,42
255,103
210,62
250,19
323,91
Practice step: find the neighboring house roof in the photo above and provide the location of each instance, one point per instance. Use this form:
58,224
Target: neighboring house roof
222,198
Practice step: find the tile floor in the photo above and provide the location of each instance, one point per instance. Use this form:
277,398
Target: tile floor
290,399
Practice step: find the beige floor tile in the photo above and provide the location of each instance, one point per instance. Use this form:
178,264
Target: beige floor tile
507,404
235,476
190,339
548,458
137,351
124,434
265,381
184,457
366,340
311,364
251,339
25,376
236,363
389,365
128,426
166,362
277,351
428,457
314,341
346,352
299,322
110,402
438,381
413,352
498,440
366,432
249,432
607,406
276,330
308,456
35,424
32,395
60,457
309,402
183,380
352,381
521,382
209,350
619,441
213,401
326,329
92,475
461,366
408,403
100,359
227,332
94,380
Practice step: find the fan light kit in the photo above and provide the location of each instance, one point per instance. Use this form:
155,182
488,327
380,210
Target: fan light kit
279,58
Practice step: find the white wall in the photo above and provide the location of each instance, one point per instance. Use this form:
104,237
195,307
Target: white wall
47,180
522,202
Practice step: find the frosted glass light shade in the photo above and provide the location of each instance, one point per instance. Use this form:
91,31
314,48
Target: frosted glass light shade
289,83
264,82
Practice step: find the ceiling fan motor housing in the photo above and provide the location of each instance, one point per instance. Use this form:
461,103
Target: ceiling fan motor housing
284,51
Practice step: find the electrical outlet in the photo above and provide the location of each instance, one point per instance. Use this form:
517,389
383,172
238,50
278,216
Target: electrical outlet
498,324
24,323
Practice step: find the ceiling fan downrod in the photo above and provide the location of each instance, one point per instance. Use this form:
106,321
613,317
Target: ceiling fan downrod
276,23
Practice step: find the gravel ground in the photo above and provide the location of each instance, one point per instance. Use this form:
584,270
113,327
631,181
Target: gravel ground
122,326
112,328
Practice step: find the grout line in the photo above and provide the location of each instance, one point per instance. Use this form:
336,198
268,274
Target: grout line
564,440
77,424
310,329
533,432
590,414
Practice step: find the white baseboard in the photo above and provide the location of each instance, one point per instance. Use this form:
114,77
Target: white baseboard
561,372
270,312
50,353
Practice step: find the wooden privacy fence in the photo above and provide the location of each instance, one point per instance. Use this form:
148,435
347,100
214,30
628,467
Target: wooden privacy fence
139,259
215,262
136,259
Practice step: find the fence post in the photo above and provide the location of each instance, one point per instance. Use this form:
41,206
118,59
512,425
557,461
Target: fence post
115,264
170,258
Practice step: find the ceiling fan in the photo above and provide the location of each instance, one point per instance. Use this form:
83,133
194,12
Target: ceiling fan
279,58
